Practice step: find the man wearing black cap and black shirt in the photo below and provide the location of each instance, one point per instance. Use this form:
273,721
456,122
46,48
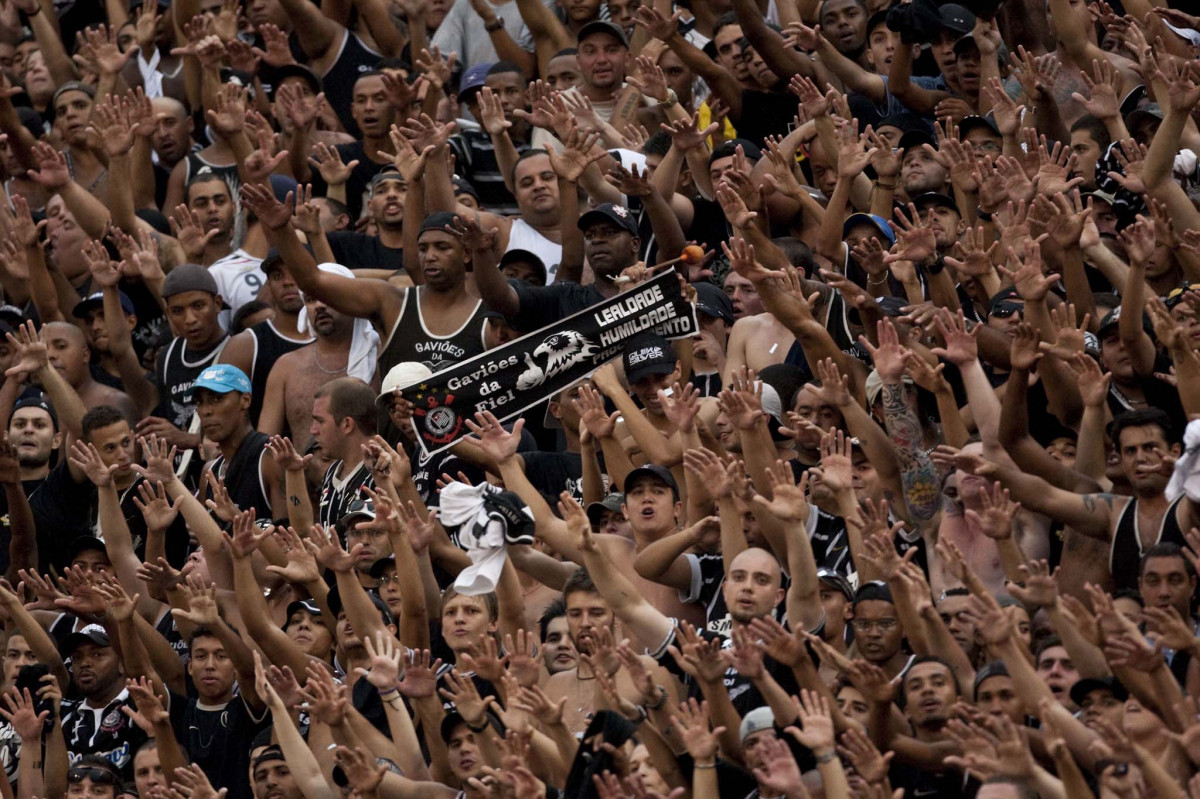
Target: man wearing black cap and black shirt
919,95
94,723
385,205
523,265
714,313
193,307
90,312
878,635
256,350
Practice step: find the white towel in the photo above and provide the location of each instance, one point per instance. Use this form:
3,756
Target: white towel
152,79
482,530
1186,477
364,341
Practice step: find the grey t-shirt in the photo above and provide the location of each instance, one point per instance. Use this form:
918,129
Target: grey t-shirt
462,32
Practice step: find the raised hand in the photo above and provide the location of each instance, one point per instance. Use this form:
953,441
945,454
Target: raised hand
888,357
329,552
708,470
19,711
328,162
52,172
788,500
996,519
187,228
495,442
384,662
578,154
420,677
260,200
202,610
692,724
86,458
32,354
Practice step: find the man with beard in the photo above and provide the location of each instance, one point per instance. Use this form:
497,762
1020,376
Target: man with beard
255,351
1147,446
34,436
94,723
920,171
171,141
591,625
386,195
298,375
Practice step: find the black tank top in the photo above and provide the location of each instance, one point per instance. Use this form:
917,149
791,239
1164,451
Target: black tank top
176,372
1126,554
353,59
243,475
269,346
410,340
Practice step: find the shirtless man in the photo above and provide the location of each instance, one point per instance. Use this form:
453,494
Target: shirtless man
69,354
256,350
443,323
296,376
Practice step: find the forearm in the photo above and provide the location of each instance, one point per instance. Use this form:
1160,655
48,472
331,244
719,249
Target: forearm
654,445
655,560
141,170
300,759
954,429
570,268
22,544
406,747
1133,306
256,616
592,477
776,698
67,403
120,193
299,510
91,214
665,226
170,754
919,476
1160,156
360,610
200,522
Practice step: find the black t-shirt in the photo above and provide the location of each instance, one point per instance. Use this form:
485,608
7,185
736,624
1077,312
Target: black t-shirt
360,251
30,486
765,114
63,510
218,739
545,305
551,473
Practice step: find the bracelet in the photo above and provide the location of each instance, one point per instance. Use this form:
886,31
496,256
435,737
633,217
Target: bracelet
983,215
385,695
704,765
873,282
937,266
480,728
494,25
35,13
882,185
672,99
828,756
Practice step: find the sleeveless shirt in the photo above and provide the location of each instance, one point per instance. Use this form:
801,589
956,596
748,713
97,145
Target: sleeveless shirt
269,346
1126,553
410,339
243,474
175,375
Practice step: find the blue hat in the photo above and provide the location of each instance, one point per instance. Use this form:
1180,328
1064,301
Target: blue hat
96,299
885,230
223,378
473,79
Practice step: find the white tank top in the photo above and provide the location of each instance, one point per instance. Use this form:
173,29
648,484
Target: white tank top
523,236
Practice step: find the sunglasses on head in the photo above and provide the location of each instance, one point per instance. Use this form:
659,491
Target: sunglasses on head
100,776
1176,295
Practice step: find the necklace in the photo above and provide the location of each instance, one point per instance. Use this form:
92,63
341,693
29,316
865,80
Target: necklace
317,361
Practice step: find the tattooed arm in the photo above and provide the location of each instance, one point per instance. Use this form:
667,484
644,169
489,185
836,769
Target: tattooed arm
918,474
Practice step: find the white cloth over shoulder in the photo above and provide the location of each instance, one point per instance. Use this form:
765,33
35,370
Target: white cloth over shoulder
364,341
486,519
1186,477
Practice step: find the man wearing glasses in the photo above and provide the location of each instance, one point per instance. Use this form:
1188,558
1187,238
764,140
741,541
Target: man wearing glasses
878,636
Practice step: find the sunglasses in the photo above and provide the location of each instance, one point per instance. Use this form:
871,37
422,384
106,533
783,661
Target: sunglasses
1175,296
1003,310
100,776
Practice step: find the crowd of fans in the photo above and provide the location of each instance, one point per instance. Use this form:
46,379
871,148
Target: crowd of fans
915,512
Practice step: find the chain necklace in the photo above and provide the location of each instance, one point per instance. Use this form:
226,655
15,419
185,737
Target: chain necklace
317,361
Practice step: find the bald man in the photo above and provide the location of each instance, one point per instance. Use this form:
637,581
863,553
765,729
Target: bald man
70,356
172,142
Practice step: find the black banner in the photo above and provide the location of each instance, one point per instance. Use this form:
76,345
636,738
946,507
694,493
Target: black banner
511,379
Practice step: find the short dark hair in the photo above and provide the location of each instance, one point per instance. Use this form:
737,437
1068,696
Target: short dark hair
901,696
1095,128
205,176
534,153
579,583
565,51
351,397
724,21
554,610
238,323
1143,417
658,144
798,253
100,416
1046,643
503,67
202,632
336,206
1166,549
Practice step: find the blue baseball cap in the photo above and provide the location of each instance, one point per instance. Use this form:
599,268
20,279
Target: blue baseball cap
473,79
885,230
223,378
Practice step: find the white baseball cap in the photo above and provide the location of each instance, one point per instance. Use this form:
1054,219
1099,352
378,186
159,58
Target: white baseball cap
400,375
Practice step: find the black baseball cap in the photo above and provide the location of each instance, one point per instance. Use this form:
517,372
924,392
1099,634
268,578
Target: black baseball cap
647,354
35,399
519,256
91,634
975,121
309,605
603,26
660,473
189,277
379,567
96,300
84,543
931,198
724,150
619,215
956,18
875,590
439,221
837,580
1085,686
279,74
913,139
272,262
713,302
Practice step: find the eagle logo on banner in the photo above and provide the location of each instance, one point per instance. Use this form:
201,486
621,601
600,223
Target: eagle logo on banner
561,350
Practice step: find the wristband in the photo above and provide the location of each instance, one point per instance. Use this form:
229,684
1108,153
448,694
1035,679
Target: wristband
662,699
704,765
494,25
385,695
882,185
828,756
983,215
937,266
480,728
